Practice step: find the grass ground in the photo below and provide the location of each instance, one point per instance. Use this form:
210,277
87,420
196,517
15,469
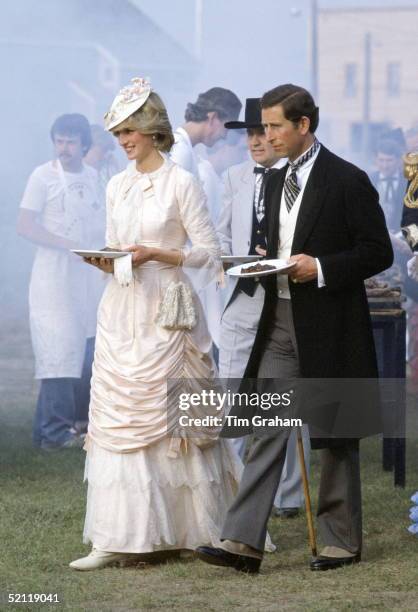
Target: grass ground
41,518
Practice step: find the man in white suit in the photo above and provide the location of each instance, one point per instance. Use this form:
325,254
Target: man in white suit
241,231
204,125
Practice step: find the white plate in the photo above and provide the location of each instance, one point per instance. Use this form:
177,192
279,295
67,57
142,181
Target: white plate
99,254
281,267
240,258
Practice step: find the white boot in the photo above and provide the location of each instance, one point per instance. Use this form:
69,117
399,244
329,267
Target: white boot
100,558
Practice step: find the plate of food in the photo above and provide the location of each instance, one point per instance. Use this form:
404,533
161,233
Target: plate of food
89,254
236,259
261,268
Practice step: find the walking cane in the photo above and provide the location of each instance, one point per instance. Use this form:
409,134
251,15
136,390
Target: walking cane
309,517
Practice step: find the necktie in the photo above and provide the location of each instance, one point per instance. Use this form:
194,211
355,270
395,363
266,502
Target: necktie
291,187
259,202
390,188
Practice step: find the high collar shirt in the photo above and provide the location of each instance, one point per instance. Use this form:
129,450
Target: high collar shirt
258,181
288,224
383,180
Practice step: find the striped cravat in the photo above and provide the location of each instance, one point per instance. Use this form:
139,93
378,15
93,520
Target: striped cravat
291,187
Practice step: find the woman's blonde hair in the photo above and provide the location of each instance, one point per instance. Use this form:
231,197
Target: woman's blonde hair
151,118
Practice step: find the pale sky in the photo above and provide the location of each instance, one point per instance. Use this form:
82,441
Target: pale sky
248,45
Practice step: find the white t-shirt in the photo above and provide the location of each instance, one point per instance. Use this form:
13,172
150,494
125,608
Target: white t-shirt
46,193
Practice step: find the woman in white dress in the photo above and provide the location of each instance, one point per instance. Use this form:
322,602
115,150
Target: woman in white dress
151,486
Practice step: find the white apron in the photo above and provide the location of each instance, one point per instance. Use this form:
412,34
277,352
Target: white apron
58,289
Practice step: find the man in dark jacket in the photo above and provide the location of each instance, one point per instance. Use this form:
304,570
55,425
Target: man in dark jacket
323,214
389,181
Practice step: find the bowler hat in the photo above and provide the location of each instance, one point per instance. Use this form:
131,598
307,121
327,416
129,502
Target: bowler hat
252,116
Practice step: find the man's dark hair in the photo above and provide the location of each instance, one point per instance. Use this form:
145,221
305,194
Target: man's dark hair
387,146
73,124
296,102
222,101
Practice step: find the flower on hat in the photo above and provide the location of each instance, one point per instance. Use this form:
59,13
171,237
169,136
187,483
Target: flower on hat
138,88
128,100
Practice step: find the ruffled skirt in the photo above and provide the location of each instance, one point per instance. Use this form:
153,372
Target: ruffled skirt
146,501
150,489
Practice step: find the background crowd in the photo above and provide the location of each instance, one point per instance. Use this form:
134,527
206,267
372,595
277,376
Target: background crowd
63,207
69,59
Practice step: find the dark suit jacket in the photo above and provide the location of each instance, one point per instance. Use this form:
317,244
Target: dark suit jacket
341,223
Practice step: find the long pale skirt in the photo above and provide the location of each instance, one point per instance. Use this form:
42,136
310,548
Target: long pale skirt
147,501
140,497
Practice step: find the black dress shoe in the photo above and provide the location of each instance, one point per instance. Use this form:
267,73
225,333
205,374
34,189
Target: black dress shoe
218,556
323,563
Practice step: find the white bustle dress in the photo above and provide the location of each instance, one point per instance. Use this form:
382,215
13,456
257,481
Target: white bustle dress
150,488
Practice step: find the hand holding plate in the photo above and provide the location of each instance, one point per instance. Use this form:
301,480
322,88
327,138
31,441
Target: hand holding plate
304,270
140,254
104,264
260,250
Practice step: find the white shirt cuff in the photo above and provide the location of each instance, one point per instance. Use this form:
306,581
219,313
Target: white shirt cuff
321,281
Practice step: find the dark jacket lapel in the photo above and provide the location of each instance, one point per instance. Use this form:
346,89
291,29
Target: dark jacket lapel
312,200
